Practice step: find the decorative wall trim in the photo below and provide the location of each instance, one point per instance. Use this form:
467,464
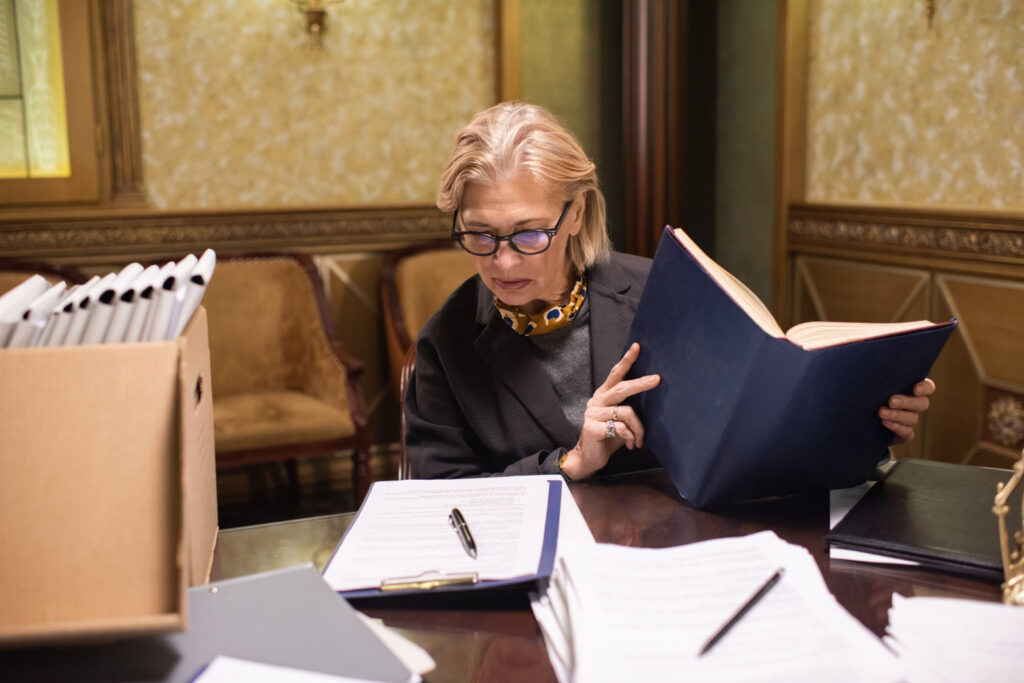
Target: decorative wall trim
122,101
965,241
944,233
151,234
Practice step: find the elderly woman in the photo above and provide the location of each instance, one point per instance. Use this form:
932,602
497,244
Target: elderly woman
519,371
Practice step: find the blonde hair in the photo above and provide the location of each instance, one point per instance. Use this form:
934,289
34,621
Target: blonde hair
515,136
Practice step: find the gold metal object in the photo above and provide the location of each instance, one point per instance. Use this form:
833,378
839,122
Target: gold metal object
428,580
316,17
1013,553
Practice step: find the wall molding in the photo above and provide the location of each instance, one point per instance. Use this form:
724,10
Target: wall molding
146,234
957,234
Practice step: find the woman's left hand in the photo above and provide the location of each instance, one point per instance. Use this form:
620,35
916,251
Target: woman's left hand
903,412
607,424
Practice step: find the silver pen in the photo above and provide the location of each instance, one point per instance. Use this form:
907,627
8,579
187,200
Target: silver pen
458,522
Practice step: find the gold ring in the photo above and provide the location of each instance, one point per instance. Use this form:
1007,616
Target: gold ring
615,413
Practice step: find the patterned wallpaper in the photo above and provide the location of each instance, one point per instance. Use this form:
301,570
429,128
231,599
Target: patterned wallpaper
236,111
903,112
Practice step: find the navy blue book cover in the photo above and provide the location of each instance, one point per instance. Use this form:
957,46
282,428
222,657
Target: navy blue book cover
740,414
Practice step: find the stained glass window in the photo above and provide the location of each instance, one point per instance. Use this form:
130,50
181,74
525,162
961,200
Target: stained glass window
33,118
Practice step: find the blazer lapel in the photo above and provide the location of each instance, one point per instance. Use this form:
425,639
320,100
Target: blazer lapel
510,357
611,314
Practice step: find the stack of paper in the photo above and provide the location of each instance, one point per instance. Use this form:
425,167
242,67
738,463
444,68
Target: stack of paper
946,639
614,613
134,304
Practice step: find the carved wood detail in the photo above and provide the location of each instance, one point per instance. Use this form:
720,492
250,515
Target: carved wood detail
141,234
1004,418
123,106
915,237
930,232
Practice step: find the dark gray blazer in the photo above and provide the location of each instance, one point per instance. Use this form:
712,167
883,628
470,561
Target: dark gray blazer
479,402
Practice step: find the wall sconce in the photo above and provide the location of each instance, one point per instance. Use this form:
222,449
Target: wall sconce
929,11
316,17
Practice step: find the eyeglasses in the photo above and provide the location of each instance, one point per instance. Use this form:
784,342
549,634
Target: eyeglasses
527,242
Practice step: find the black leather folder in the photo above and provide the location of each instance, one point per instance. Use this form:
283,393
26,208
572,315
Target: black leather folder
937,514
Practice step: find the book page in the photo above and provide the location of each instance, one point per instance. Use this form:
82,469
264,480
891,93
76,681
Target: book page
739,292
402,530
952,639
821,333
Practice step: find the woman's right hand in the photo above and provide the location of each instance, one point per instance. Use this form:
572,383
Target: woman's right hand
608,425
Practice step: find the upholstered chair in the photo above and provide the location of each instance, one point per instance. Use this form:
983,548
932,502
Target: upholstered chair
414,283
283,386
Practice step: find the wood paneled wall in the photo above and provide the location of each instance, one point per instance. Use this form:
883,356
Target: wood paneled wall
858,265
874,262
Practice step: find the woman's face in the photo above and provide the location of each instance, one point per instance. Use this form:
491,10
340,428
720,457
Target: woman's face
530,282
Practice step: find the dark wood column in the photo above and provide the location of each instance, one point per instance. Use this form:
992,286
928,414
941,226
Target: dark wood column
668,112
123,106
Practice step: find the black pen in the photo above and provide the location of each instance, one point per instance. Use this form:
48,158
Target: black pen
753,600
458,522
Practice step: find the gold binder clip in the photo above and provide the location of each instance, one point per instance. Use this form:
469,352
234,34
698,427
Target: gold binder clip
1013,554
428,580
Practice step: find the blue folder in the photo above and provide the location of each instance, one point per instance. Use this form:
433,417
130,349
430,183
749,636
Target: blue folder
740,414
544,566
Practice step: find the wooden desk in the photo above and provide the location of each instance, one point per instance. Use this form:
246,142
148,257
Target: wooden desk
496,638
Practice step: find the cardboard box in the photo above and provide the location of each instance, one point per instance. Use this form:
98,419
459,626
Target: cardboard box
108,505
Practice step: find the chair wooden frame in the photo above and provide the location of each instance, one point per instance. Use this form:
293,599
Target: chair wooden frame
404,471
359,443
398,337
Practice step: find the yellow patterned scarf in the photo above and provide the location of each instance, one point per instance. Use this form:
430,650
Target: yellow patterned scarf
546,321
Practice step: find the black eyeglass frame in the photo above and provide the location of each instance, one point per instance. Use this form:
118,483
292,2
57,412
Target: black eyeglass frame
550,232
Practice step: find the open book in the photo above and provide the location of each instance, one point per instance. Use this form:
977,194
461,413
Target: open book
745,410
811,335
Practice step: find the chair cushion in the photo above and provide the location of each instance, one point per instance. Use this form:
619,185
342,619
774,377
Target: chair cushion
275,418
266,334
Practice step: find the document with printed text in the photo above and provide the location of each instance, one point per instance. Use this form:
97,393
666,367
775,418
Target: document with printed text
403,532
621,613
